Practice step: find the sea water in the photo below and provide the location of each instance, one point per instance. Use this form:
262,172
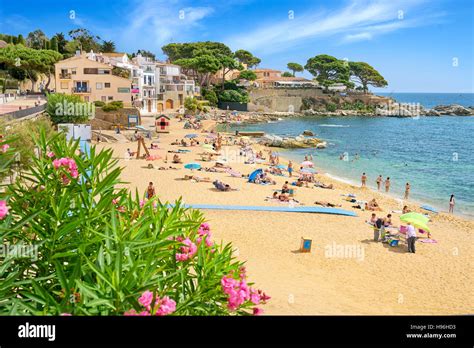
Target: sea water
434,154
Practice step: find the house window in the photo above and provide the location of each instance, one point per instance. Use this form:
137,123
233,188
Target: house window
73,71
91,71
64,85
107,85
103,98
111,98
104,71
99,85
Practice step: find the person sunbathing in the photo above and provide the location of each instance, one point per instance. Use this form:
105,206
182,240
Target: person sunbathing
197,178
177,159
222,187
322,185
176,142
405,210
373,205
327,204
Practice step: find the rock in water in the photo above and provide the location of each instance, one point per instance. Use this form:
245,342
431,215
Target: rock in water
308,133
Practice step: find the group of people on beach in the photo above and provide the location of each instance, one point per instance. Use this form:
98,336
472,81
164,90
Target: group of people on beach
379,181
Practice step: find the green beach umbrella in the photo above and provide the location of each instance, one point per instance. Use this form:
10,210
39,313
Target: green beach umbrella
416,219
207,146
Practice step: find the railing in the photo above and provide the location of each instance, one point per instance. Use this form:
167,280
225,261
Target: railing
81,90
65,76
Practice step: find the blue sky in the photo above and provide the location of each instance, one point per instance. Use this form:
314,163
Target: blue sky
417,45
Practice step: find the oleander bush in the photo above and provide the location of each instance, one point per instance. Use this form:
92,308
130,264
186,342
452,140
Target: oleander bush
92,248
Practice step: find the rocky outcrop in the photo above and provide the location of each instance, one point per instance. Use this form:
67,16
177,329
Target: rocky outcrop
298,142
454,109
307,133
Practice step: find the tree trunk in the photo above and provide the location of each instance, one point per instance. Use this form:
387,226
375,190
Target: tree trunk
47,83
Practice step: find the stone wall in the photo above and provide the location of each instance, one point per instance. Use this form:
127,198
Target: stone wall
105,120
291,99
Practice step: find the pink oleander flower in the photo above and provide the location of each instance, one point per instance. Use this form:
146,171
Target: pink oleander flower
115,201
239,292
257,311
66,314
56,164
187,251
3,209
161,306
146,299
69,165
5,147
121,209
166,306
142,203
50,154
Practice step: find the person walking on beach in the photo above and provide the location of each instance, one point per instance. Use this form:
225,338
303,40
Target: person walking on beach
363,179
451,204
411,237
407,190
150,191
387,184
379,182
290,168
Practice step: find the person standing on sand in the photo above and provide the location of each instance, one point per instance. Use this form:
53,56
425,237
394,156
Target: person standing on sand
407,190
387,184
411,237
363,179
290,168
150,191
379,182
452,202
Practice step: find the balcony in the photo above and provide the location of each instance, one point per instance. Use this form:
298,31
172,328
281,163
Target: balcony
81,90
65,76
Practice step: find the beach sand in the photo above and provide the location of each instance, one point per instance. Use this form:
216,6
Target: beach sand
378,279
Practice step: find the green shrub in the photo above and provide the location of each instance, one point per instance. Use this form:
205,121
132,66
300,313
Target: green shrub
109,107
211,96
233,96
25,134
99,103
117,103
64,108
94,249
331,107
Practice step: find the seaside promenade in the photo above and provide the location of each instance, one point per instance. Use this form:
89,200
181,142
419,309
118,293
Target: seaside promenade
373,279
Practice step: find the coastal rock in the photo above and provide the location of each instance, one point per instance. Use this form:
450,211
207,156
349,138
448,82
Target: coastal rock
307,133
292,142
431,112
454,109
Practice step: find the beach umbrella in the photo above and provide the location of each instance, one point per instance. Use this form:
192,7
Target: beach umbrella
211,136
307,164
254,174
416,219
192,166
190,136
207,146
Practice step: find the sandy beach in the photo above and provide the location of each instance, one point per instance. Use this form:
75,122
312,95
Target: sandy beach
378,280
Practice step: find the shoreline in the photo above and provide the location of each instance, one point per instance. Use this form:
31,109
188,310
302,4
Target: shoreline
354,183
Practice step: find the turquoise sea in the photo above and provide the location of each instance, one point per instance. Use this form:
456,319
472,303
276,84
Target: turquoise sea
434,154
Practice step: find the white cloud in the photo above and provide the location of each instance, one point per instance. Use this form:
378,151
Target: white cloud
152,24
358,20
